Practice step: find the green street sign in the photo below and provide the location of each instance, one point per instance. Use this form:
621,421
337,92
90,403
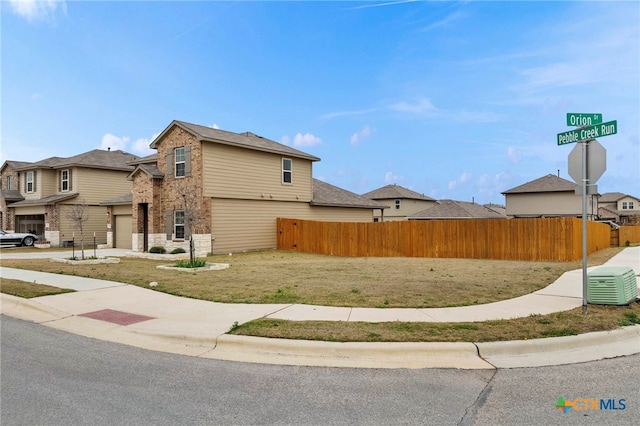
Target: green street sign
581,119
586,133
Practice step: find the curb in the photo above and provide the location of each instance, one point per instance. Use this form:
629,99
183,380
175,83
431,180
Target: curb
348,354
562,350
29,310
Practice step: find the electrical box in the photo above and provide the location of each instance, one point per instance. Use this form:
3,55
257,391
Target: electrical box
612,285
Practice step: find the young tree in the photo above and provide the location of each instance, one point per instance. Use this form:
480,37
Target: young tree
79,215
191,201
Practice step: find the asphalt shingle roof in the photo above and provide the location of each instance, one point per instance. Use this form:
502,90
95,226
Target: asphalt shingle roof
548,183
243,140
52,199
395,191
612,197
96,159
325,194
123,199
451,209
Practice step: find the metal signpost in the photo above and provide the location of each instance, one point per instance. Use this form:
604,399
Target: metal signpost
586,165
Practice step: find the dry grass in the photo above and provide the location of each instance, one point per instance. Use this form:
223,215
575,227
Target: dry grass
292,277
567,323
29,290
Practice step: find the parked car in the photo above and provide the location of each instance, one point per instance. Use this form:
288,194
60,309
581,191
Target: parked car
17,238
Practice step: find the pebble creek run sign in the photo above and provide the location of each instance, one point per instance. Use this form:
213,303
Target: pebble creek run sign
586,133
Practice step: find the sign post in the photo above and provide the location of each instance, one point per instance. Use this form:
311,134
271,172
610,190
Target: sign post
593,164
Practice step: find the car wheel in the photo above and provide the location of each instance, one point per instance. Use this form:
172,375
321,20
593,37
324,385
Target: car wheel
28,241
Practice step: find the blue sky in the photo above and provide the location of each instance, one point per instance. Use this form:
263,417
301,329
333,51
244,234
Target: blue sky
457,100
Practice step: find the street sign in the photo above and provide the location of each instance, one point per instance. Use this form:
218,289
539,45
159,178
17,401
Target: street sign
596,162
582,119
586,133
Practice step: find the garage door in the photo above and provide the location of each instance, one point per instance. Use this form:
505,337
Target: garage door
123,225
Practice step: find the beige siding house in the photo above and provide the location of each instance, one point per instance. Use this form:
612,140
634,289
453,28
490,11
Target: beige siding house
39,196
225,190
402,203
618,207
548,196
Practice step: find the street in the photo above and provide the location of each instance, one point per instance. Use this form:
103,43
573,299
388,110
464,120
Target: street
51,377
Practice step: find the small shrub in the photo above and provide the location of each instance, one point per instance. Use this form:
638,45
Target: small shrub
178,250
627,243
234,327
198,263
157,249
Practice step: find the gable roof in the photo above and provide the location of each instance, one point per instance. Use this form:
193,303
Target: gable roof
52,199
246,140
612,197
95,159
451,209
150,169
395,191
325,194
15,164
548,183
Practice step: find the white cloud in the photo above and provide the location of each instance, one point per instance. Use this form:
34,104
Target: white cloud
421,106
36,10
461,181
304,140
361,135
114,142
36,96
513,155
331,115
390,178
140,146
215,126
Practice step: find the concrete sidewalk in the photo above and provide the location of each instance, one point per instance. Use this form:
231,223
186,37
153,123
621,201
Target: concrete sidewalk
104,310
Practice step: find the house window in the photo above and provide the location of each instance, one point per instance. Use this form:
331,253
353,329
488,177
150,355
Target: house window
178,224
180,162
631,206
10,183
287,170
30,181
397,204
64,180
627,205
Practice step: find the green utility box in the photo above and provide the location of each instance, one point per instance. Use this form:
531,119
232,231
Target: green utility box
612,285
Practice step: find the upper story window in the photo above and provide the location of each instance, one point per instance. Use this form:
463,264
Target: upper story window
64,180
178,224
180,162
627,205
10,183
287,170
30,180
397,205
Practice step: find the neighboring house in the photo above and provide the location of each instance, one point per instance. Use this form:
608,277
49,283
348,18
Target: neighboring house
451,209
225,190
402,202
548,196
618,207
37,197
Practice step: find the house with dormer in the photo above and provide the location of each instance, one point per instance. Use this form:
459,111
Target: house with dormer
402,202
548,196
37,196
618,207
225,190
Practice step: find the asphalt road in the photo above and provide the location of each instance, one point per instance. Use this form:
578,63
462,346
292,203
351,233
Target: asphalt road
50,377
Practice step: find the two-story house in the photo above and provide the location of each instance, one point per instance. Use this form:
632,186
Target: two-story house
402,202
452,209
618,207
548,196
38,197
225,190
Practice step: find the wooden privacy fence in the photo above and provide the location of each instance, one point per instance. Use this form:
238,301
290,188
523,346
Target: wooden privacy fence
556,239
629,233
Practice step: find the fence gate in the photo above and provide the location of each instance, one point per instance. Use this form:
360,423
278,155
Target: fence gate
615,238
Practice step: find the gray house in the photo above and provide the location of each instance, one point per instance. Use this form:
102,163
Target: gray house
401,202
